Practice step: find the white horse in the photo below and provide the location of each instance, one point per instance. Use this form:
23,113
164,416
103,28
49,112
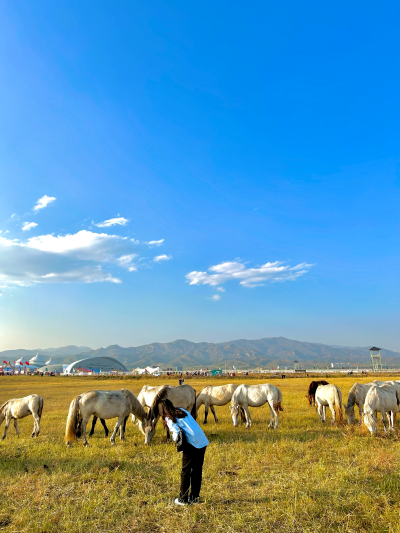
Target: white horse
183,396
105,405
211,396
384,399
329,396
256,396
20,408
357,396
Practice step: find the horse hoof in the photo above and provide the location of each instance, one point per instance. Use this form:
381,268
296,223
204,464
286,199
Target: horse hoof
112,442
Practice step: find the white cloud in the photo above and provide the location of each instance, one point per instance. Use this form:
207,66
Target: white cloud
155,243
126,261
26,226
220,289
44,201
248,277
119,221
162,258
215,297
79,257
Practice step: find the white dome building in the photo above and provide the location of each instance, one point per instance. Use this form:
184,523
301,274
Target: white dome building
36,362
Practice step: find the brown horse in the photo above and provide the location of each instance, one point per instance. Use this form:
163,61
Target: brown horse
312,390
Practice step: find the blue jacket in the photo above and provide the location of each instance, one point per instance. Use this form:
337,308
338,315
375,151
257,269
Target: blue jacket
193,432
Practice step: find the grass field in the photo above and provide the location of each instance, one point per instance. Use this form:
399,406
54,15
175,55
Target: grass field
303,477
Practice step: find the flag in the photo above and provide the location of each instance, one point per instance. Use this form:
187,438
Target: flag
21,364
26,362
5,362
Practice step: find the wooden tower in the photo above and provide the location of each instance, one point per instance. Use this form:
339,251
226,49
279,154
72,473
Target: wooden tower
376,358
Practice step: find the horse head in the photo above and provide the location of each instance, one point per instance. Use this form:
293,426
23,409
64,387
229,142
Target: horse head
235,414
309,398
148,428
350,413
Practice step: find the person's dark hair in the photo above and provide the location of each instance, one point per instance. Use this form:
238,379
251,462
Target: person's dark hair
168,410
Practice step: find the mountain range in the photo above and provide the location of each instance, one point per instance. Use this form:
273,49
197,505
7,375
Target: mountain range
242,353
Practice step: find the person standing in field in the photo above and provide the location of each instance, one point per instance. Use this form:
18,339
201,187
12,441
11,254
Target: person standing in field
195,444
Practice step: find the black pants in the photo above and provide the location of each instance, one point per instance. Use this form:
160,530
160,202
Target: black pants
191,473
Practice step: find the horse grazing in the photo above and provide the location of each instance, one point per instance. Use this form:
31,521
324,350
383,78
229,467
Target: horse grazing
211,396
357,395
329,395
183,396
383,399
312,389
20,408
103,404
256,396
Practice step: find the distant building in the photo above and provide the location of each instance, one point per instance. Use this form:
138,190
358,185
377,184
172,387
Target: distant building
96,364
36,362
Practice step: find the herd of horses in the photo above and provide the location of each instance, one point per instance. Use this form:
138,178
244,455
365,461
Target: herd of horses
370,398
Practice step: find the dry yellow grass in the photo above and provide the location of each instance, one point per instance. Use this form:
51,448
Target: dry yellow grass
303,477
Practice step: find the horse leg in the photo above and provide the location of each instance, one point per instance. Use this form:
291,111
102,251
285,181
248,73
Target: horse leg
93,425
120,421
103,423
321,413
36,425
205,413
248,417
383,415
276,415
271,422
360,412
332,408
8,420
213,412
122,429
84,423
16,426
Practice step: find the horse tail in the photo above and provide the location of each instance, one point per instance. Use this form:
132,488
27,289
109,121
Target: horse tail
40,410
193,411
70,431
338,405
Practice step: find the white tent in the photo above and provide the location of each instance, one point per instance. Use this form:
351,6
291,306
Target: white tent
37,361
148,370
155,370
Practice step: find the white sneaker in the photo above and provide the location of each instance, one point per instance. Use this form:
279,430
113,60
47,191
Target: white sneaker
177,501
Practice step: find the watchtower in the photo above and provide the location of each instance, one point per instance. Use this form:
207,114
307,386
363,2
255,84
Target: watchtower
376,358
296,365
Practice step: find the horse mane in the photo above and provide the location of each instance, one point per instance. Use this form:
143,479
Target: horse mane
161,395
137,408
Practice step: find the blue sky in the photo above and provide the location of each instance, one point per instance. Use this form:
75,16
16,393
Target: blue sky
209,172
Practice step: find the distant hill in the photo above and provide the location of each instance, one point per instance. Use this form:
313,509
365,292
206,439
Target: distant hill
242,353
72,350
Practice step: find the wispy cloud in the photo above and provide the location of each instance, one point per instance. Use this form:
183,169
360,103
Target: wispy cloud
26,226
215,297
119,221
155,243
163,257
44,201
220,289
248,277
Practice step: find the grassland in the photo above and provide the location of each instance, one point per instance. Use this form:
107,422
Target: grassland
303,477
